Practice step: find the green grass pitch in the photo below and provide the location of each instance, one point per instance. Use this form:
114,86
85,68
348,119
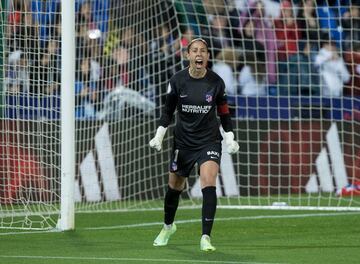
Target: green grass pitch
241,236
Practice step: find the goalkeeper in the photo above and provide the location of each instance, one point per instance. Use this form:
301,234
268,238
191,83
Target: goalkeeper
197,93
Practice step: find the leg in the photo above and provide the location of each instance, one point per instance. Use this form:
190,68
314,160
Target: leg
176,185
208,174
171,202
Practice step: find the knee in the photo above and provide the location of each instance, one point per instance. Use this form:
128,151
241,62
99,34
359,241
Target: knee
176,182
208,181
177,186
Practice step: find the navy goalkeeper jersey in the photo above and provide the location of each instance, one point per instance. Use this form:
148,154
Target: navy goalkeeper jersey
197,102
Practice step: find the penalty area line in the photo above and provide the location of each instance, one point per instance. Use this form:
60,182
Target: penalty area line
130,259
240,218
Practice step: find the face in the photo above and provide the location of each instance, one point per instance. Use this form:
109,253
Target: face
219,22
198,55
85,65
330,47
121,56
86,10
249,29
354,11
309,4
287,12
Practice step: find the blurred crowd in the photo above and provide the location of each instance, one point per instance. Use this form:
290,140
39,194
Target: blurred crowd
130,48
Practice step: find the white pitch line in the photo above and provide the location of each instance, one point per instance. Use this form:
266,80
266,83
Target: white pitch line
31,232
240,218
133,259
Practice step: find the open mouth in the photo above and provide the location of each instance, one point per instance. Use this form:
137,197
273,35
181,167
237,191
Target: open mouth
199,62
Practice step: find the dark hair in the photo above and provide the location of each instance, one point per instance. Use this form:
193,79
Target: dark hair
326,38
197,39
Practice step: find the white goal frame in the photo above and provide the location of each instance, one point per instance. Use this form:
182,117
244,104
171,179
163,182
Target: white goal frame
138,199
67,211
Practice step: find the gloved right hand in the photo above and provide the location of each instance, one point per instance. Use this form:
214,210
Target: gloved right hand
156,142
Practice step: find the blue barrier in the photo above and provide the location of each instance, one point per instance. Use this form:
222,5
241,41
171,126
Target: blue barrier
267,107
32,107
284,107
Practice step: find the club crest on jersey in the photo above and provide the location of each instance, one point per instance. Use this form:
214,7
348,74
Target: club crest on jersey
208,98
174,166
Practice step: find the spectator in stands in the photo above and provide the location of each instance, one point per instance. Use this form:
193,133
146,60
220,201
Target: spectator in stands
99,10
218,34
332,68
167,38
112,41
87,28
88,40
264,33
111,77
303,75
22,32
162,54
233,15
136,48
352,59
225,65
351,23
330,13
214,7
86,90
308,25
134,42
192,14
17,9
252,72
120,56
25,39
85,16
252,77
49,69
250,43
47,77
287,36
22,42
162,44
18,75
187,34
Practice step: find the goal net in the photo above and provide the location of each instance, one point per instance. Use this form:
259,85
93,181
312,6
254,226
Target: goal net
292,79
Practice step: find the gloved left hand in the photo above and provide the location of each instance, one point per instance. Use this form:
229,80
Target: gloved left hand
231,145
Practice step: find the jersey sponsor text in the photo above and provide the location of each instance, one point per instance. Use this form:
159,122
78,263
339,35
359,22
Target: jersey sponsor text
196,109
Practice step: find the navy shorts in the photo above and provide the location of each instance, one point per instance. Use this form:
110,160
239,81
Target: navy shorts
183,160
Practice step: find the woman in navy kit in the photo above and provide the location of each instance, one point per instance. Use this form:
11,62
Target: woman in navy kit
199,96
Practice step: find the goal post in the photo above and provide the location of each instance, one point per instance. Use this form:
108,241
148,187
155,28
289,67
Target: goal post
82,100
68,150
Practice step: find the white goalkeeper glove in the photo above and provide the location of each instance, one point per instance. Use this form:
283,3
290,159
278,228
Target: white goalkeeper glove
156,142
231,145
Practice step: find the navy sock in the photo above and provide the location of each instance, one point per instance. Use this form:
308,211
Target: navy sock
208,209
170,205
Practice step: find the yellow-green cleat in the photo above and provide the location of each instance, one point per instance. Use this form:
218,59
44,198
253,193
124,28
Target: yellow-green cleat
205,244
164,235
